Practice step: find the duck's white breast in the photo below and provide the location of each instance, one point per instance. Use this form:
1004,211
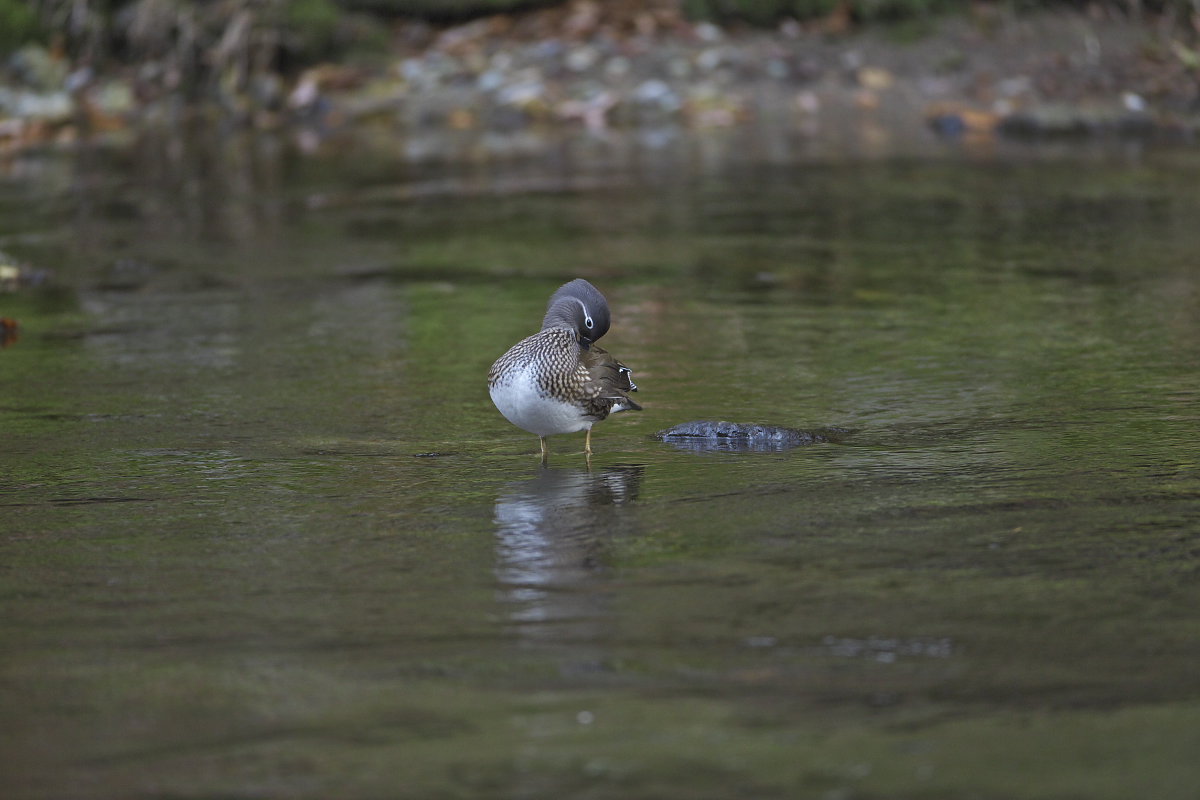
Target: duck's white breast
518,397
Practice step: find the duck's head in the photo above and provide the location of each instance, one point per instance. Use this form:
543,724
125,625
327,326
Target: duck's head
580,307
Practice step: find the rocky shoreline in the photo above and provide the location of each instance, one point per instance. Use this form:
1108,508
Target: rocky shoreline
982,75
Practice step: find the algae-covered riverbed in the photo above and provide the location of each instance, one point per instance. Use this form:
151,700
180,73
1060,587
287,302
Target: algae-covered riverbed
264,535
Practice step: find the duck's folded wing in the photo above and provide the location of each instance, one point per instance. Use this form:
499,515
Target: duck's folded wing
609,383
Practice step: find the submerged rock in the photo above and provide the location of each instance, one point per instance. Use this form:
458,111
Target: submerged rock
721,435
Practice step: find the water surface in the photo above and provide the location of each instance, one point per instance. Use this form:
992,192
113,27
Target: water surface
263,534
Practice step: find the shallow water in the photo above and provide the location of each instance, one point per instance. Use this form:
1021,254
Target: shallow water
265,536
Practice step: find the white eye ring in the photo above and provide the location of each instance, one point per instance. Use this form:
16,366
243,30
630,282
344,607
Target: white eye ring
587,321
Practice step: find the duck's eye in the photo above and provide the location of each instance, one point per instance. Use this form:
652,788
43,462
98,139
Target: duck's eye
587,322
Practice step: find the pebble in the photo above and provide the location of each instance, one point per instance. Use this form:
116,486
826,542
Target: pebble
524,90
116,97
580,59
490,80
778,69
38,70
38,105
617,67
656,92
679,68
808,102
709,59
707,32
875,79
1133,102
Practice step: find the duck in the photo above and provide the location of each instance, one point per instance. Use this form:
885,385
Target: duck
559,380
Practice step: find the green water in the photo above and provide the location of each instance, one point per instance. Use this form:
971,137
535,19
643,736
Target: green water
262,534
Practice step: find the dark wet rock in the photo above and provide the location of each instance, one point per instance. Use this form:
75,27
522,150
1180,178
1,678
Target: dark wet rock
948,125
1064,120
722,435
1050,121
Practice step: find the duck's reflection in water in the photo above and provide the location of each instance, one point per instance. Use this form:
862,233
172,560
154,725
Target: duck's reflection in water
553,532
